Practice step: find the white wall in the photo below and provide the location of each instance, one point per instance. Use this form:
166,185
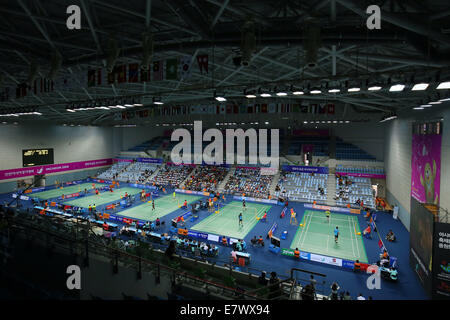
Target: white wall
130,137
70,144
367,136
397,162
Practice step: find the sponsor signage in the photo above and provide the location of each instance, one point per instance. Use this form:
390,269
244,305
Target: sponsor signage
441,262
213,237
240,198
327,260
307,169
287,252
72,195
52,168
335,209
149,160
348,264
363,175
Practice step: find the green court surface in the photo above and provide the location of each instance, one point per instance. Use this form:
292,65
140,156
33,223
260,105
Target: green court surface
56,193
163,206
226,222
103,197
317,236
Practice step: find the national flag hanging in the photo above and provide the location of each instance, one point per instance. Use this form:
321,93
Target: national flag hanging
158,71
250,108
221,109
121,73
264,108
91,78
296,107
118,116
322,108
229,108
313,108
21,90
145,75
185,67
235,108
143,114
133,72
202,61
111,78
242,109
272,107
330,108
380,243
304,109
100,80
257,108
4,94
171,69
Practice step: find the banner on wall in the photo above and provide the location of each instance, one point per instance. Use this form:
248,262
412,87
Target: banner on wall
362,175
441,261
306,169
52,168
426,168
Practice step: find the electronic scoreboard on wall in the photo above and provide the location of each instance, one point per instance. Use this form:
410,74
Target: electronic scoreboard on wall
37,157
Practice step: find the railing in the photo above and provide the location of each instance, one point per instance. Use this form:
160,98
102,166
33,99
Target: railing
84,246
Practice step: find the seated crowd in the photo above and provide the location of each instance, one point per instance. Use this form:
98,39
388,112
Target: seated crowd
250,182
206,178
302,186
172,176
137,172
113,172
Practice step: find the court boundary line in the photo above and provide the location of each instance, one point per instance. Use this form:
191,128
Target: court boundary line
351,220
143,204
351,234
306,231
246,229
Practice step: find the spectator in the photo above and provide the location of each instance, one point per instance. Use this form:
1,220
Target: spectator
312,281
390,236
170,250
360,297
347,296
274,284
334,291
308,292
262,280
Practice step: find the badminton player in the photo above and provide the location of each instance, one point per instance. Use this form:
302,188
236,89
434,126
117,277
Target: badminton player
241,223
336,234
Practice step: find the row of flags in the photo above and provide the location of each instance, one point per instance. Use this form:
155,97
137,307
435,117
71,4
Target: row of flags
169,69
323,108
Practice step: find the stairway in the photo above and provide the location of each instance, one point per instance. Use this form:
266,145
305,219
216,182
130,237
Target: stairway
274,183
193,172
149,179
222,185
331,189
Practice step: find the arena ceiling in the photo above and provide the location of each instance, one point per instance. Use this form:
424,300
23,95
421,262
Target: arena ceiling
412,46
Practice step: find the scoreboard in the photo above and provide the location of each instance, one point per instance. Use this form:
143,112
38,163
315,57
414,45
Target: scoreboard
37,157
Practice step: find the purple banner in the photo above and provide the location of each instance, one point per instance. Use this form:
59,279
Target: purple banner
52,168
181,164
123,160
149,160
307,169
426,168
362,175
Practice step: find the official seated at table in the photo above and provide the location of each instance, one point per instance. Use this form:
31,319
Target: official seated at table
357,266
390,236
